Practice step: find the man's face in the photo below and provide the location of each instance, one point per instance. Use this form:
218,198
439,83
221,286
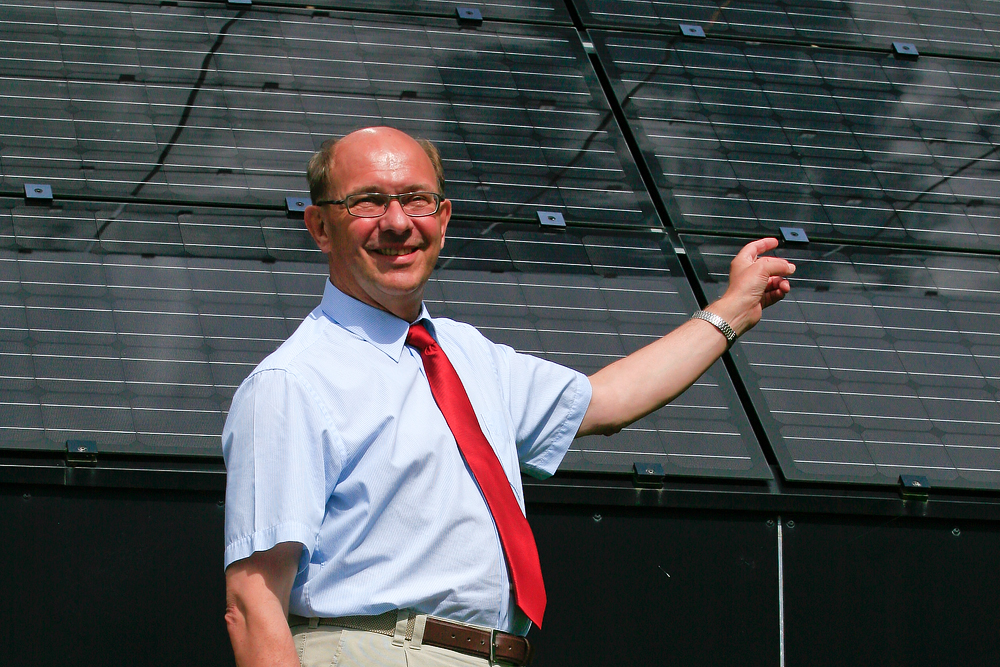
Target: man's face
385,261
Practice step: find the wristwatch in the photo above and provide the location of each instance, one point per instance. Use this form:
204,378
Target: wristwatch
719,324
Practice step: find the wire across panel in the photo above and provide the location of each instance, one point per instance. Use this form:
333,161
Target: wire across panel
204,104
847,146
142,354
958,27
878,364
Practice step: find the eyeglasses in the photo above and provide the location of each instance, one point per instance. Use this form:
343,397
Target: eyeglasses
376,204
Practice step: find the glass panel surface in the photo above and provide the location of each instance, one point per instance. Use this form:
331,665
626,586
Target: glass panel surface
880,363
847,146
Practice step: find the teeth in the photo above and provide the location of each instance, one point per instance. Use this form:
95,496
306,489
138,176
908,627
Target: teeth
394,252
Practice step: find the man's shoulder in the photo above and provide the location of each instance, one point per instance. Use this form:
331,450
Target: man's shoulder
300,347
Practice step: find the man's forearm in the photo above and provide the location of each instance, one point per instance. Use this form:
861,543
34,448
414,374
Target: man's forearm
650,378
260,638
257,591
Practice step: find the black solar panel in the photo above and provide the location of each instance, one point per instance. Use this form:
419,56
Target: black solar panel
847,146
878,364
206,104
158,229
142,354
528,11
958,27
584,301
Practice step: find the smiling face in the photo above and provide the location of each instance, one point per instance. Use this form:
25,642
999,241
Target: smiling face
385,261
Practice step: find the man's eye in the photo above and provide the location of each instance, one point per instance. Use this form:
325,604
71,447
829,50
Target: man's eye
419,199
366,201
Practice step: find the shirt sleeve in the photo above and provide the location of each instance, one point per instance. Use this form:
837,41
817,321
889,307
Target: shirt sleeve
547,403
276,445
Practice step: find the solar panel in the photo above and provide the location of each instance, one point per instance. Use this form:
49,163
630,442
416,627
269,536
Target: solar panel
529,11
878,364
142,354
848,146
954,28
154,229
205,104
585,300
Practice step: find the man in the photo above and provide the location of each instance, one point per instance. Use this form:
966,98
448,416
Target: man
347,495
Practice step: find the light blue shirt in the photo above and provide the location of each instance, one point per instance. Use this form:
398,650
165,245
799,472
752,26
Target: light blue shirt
335,441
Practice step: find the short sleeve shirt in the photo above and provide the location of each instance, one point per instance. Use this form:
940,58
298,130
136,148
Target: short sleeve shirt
335,442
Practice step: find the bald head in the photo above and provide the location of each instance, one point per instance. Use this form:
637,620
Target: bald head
321,165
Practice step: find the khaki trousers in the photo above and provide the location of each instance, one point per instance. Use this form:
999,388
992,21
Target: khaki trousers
332,646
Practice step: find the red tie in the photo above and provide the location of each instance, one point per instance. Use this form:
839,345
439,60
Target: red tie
515,533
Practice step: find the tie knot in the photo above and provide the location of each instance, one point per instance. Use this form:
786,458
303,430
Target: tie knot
419,337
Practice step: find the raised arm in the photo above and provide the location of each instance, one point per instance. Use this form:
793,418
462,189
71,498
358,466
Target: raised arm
257,591
649,378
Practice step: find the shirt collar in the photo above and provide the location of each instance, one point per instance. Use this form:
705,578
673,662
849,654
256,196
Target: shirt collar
379,328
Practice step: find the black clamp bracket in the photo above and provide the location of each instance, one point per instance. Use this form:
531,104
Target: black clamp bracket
905,50
81,453
37,193
692,30
913,487
647,475
795,235
551,219
295,207
469,16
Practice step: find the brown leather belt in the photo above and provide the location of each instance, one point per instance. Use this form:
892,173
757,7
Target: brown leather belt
493,645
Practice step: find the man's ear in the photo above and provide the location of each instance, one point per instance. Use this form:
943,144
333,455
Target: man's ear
444,216
314,223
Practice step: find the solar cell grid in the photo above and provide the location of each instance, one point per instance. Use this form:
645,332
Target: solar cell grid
551,299
860,147
151,229
548,11
878,364
231,112
142,354
954,28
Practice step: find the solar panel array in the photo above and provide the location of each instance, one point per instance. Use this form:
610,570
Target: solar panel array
200,103
165,267
953,28
879,364
847,146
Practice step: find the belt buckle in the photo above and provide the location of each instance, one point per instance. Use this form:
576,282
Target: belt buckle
493,646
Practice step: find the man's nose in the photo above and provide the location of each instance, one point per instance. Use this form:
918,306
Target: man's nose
395,218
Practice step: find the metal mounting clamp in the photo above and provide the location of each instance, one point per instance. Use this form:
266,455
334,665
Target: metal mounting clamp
647,475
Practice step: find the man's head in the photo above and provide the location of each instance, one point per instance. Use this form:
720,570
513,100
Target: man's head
321,163
383,261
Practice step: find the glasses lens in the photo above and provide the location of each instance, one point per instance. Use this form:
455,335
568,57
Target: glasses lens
367,205
420,203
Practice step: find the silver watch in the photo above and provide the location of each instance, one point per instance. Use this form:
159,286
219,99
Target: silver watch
719,323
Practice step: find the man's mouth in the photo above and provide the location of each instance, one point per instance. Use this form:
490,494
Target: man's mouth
395,252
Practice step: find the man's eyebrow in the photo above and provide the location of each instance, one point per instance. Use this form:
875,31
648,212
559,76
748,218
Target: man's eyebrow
365,189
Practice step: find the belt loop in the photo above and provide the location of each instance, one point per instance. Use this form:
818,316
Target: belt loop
493,646
418,632
313,622
402,618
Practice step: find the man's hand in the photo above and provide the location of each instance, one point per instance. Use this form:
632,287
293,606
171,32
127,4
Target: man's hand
650,378
257,591
755,282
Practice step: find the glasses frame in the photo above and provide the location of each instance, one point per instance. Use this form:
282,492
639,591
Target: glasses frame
347,201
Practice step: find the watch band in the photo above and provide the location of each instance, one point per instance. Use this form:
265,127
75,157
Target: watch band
719,324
